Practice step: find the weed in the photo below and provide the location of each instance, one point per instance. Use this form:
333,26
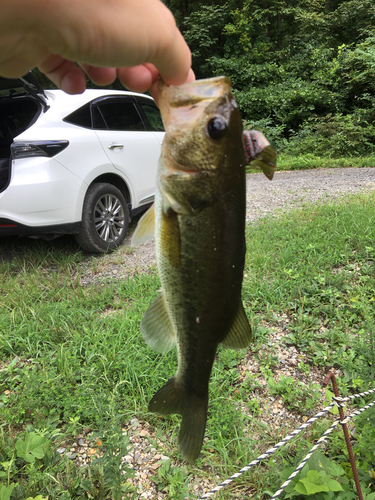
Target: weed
312,161
29,461
172,480
296,395
304,368
324,479
267,358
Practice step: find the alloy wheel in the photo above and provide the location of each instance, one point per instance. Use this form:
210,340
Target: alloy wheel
109,218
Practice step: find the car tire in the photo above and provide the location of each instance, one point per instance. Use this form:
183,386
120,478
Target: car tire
105,219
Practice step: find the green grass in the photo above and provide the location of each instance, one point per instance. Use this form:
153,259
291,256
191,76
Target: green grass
72,355
310,161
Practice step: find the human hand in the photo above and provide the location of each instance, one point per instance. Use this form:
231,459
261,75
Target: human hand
136,40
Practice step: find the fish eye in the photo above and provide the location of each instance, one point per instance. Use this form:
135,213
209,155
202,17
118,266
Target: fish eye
216,127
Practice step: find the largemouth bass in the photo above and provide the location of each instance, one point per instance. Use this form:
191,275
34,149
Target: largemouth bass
199,217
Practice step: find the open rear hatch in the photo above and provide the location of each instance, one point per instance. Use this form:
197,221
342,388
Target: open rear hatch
10,87
21,102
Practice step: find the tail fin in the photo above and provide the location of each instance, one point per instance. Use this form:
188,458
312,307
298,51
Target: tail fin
172,398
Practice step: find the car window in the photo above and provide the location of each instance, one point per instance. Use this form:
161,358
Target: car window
153,115
99,122
80,117
118,115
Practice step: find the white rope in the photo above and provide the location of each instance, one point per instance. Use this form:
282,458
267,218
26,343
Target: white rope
269,452
319,442
335,402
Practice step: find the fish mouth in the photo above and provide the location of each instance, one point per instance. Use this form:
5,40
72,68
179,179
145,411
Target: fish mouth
190,98
193,92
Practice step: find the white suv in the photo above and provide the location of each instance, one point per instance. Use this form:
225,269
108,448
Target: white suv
75,164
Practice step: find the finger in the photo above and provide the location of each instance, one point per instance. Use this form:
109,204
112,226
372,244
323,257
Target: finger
65,74
190,77
98,75
154,92
172,56
154,86
138,78
145,77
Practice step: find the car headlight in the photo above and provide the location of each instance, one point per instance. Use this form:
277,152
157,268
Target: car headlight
37,148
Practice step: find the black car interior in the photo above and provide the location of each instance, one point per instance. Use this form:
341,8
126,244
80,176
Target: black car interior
16,115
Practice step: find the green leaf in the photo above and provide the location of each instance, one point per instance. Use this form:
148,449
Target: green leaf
336,469
310,484
300,487
313,477
285,473
312,488
6,491
329,396
31,448
324,477
319,462
334,485
86,485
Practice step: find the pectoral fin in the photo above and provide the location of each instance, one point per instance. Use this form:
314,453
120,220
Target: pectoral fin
145,228
156,327
240,334
266,161
258,152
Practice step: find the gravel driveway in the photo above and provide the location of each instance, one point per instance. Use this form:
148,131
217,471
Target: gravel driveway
291,189
287,190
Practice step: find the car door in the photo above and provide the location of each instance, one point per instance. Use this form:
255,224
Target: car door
132,149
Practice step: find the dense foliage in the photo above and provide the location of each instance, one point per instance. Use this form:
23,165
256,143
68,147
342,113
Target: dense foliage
302,70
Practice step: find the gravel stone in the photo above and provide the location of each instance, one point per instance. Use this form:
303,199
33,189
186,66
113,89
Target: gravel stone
292,189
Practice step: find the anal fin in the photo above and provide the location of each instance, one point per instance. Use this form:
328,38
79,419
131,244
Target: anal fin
240,335
156,327
145,229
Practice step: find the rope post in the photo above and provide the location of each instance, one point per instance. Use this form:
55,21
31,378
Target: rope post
331,376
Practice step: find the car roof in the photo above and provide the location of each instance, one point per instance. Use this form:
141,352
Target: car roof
58,102
70,102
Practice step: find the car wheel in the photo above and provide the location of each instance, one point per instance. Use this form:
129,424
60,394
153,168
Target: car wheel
105,219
